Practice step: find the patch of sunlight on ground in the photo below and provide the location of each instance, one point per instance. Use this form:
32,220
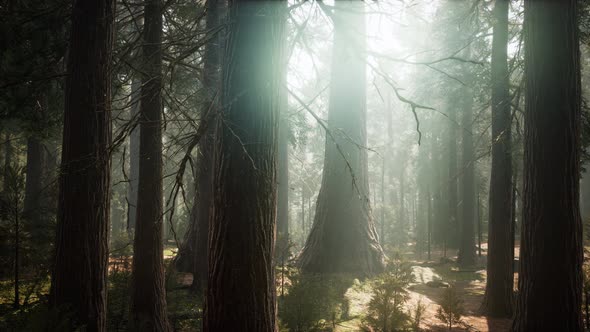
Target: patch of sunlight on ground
424,274
358,296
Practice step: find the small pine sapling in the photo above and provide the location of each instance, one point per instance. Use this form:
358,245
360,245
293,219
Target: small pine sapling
451,308
418,314
386,308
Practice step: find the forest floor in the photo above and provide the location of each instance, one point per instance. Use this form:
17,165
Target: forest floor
185,309
470,285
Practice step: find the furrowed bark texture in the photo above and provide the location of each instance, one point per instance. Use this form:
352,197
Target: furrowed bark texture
133,158
192,257
241,283
211,80
79,281
343,237
148,300
550,281
498,298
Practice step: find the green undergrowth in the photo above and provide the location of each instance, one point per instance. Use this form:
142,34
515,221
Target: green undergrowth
343,303
33,296
314,302
184,306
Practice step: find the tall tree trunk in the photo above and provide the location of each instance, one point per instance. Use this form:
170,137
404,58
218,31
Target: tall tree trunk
442,207
148,301
17,231
421,206
479,227
498,298
401,219
193,253
133,157
309,211
382,223
343,237
429,224
439,221
283,179
452,227
303,202
585,194
467,255
241,283
33,187
134,135
550,281
283,169
389,153
185,259
211,81
515,213
79,280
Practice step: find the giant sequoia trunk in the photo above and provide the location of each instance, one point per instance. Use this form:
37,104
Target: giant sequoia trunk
148,301
79,280
498,297
550,281
343,237
241,284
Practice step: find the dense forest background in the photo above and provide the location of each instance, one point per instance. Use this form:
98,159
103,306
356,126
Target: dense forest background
294,166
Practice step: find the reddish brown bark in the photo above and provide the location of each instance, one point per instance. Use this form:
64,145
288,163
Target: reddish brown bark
193,253
498,298
241,284
343,237
550,280
211,80
79,280
148,300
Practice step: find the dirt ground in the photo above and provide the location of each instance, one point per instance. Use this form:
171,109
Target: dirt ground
470,284
472,294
